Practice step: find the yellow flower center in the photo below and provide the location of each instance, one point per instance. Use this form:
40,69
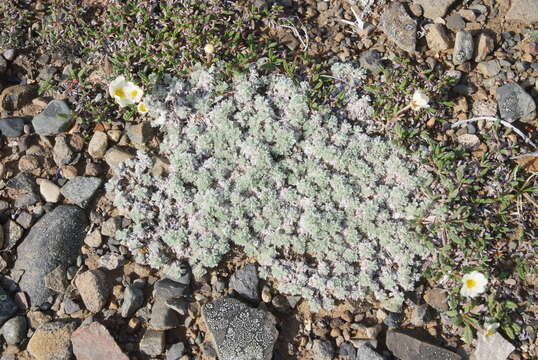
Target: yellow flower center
142,108
119,93
471,283
134,93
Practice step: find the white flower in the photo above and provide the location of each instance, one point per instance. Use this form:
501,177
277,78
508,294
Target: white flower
117,90
142,107
134,92
209,49
491,327
474,284
420,100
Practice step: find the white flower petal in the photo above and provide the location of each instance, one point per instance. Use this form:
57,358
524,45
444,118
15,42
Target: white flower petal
474,284
134,92
420,100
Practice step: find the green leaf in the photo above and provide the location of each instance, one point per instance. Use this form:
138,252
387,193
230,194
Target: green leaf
467,334
510,305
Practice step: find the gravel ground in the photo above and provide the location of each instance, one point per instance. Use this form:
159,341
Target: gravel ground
68,285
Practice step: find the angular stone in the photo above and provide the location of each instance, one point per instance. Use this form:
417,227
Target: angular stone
94,289
22,181
56,118
98,145
179,305
365,352
12,126
176,351
371,60
489,68
80,189
93,341
492,347
245,282
486,44
133,299
17,96
437,37
238,331
152,342
49,190
323,350
139,134
463,47
12,234
455,22
54,240
515,104
399,27
115,156
51,341
437,299
94,239
167,289
434,8
61,152
525,11
56,280
8,307
406,347
24,200
163,317
14,330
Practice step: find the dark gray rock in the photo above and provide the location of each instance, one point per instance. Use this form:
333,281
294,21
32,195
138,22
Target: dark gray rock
420,314
176,351
8,307
12,234
56,118
323,350
399,27
133,299
24,200
80,189
245,282
22,181
179,305
163,317
463,47
14,330
70,306
434,8
393,320
371,60
12,126
365,352
406,347
152,342
167,289
515,104
238,331
54,240
347,351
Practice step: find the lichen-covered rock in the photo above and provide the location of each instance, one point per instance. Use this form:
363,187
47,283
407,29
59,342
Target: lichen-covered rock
259,169
240,332
514,103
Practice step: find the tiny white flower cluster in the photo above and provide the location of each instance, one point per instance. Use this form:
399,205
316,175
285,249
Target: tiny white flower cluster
127,93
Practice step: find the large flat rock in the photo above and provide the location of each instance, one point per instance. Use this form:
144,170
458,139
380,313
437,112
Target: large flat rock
53,241
240,332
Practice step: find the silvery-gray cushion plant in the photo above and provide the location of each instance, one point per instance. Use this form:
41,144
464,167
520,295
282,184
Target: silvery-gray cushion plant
324,206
